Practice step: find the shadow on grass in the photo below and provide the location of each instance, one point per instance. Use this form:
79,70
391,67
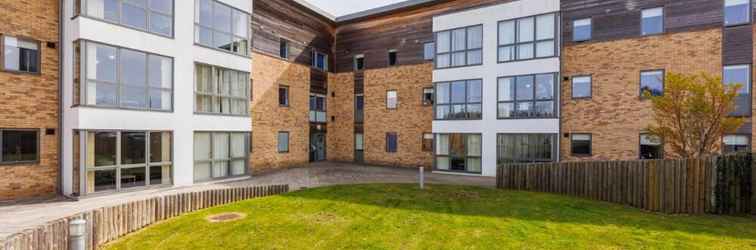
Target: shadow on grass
527,206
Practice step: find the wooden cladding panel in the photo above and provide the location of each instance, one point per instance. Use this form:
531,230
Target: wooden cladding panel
618,19
276,19
405,31
737,45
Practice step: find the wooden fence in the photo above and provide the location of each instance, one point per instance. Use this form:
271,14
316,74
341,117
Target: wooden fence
719,185
110,223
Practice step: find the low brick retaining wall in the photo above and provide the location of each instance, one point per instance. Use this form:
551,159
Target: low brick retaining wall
110,223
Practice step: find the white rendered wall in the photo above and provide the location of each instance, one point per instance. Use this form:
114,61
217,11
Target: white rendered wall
182,121
490,71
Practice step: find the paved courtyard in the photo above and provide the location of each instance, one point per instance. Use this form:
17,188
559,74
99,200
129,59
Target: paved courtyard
17,217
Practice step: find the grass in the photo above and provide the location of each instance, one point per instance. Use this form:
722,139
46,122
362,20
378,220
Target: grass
387,216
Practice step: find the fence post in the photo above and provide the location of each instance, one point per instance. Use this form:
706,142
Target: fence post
421,176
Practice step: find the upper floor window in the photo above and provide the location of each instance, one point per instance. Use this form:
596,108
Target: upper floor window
736,143
283,49
652,82
652,21
220,26
741,75
283,96
428,96
459,100
429,50
529,96
359,62
737,12
19,146
527,38
221,91
154,16
459,47
582,30
124,78
319,60
581,87
21,55
392,100
317,108
392,57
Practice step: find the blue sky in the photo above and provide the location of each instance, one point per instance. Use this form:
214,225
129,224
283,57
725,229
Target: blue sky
344,7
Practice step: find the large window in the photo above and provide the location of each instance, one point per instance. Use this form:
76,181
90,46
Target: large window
652,21
458,152
529,96
220,155
317,108
118,160
737,12
736,143
319,60
517,148
154,16
652,82
527,38
740,75
651,147
20,55
582,30
459,47
219,26
221,91
581,144
19,146
459,100
582,87
124,78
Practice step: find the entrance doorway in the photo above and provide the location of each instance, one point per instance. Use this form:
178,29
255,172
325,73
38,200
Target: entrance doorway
317,147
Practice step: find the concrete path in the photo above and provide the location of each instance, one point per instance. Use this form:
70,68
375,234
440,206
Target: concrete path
17,217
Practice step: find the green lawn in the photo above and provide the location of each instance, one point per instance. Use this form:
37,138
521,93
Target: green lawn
440,217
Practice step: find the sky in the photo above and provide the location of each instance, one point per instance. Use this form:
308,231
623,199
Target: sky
343,7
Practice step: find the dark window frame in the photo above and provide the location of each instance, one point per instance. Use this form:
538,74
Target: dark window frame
283,49
423,140
355,66
750,15
432,55
590,87
212,159
663,23
640,81
396,103
313,112
590,145
450,103
590,36
389,135
466,156
451,51
534,42
287,99
81,10
749,136
424,100
38,154
247,51
288,142
514,101
640,152
554,139
28,39
315,54
213,68
748,88
395,54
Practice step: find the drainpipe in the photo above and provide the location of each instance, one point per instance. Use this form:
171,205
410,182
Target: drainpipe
61,19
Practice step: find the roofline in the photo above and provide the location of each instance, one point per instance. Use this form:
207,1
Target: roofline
317,10
382,10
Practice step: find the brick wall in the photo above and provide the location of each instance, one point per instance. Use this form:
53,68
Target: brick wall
340,141
31,101
268,118
410,120
615,115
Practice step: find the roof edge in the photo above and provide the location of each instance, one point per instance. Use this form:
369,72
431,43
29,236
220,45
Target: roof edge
380,10
317,10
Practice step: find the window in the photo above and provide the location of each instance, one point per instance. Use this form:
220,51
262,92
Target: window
427,142
652,21
283,96
219,155
582,87
392,142
359,62
459,47
283,142
118,160
359,142
219,26
458,152
359,108
736,143
737,12
392,100
651,147
428,96
581,144
429,49
19,146
740,75
283,49
21,55
392,57
124,78
529,96
317,108
527,38
518,148
652,82
222,91
154,17
459,100
582,30
319,60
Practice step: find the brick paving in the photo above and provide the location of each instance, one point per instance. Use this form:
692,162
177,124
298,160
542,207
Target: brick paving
18,217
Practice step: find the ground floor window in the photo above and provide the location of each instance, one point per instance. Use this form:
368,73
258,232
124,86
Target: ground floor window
736,143
19,146
651,147
458,152
120,160
219,155
515,148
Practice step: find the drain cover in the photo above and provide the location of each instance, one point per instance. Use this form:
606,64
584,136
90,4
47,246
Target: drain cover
225,217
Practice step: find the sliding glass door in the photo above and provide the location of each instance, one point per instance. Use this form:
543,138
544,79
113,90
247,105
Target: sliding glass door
219,155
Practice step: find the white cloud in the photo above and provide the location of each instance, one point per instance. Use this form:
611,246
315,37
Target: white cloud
345,7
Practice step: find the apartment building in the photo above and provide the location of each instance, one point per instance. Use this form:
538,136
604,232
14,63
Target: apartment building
135,94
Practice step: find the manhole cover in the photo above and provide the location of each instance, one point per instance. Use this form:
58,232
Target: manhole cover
225,217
